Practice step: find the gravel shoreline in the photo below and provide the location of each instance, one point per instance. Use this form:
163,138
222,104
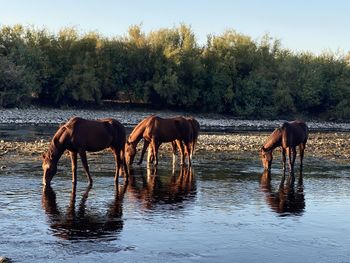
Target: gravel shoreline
218,133
220,123
330,146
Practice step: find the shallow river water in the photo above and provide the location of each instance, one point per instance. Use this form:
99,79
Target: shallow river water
221,210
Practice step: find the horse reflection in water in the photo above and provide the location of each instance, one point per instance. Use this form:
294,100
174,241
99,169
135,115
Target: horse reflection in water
155,191
78,223
287,200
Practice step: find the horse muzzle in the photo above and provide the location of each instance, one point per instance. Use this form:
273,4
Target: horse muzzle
47,179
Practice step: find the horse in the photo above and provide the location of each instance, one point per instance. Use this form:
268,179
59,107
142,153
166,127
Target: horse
288,137
174,144
78,136
155,131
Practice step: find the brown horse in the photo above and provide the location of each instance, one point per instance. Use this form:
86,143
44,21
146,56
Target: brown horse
288,136
78,136
155,131
195,127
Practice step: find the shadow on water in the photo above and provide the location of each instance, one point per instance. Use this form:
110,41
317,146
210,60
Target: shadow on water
156,188
286,201
77,223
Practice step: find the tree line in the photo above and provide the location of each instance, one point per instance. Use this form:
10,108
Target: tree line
231,74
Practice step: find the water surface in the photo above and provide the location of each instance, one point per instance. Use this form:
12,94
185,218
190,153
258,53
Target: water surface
222,210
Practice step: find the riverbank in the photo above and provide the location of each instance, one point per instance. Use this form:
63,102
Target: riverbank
28,132
333,146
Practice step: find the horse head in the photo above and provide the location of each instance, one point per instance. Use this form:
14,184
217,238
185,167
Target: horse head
266,158
49,168
130,152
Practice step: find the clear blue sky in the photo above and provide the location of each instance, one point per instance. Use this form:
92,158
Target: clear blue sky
313,25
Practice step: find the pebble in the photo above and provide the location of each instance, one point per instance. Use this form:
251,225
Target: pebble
5,260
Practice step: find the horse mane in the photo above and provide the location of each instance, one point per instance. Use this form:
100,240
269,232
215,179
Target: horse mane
274,140
136,134
285,130
54,148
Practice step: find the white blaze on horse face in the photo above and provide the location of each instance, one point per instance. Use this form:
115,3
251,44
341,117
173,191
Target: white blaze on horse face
49,171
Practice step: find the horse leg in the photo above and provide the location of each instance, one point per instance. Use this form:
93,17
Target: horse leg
187,150
117,159
181,149
289,154
174,150
126,168
283,164
85,165
150,156
144,148
193,145
155,147
73,158
301,151
292,161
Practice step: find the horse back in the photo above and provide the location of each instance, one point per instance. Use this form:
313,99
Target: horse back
294,133
168,130
94,135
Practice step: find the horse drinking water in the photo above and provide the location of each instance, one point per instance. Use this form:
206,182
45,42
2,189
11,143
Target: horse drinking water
78,136
194,130
288,136
155,131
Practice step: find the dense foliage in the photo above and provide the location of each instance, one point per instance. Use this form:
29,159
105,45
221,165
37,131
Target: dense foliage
231,73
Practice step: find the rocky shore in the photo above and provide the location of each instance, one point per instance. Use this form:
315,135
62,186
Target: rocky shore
218,133
329,145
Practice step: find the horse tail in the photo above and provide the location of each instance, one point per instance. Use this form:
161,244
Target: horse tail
196,128
306,130
194,135
120,138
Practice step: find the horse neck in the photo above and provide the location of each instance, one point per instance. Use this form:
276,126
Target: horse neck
137,134
56,148
275,140
55,152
